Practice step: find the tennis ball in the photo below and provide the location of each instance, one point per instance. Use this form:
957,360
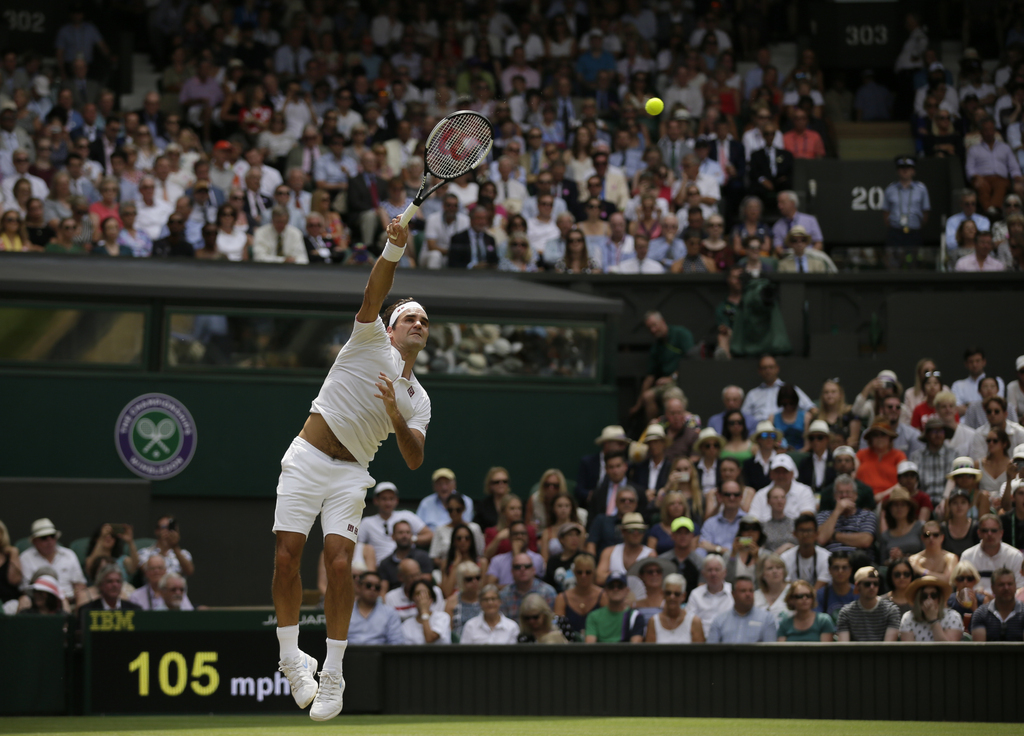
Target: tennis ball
654,106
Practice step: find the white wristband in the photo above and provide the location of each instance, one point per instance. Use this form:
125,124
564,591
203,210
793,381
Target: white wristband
392,252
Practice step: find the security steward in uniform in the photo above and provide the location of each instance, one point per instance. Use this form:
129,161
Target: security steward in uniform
906,209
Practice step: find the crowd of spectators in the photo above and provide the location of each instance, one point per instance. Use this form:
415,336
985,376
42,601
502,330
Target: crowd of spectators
104,572
293,132
891,514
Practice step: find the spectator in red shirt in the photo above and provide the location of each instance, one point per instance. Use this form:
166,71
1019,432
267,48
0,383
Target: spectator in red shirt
878,461
801,141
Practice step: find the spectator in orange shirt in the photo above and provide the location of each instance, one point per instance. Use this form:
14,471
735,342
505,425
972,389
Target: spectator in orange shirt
801,141
879,461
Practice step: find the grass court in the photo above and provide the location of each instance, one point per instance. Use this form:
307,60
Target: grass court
476,726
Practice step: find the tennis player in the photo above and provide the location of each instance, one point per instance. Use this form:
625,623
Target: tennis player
369,393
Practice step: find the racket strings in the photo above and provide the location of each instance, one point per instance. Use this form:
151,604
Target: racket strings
459,145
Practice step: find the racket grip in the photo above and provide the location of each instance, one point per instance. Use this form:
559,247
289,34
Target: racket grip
409,212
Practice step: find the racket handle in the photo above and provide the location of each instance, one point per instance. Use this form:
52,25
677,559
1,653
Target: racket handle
409,212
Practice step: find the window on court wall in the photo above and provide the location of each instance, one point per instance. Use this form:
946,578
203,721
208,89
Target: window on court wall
44,334
301,342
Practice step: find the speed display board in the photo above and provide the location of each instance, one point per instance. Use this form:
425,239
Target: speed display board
203,662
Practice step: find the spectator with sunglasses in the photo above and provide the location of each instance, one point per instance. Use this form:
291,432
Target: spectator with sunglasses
1001,619
440,544
524,582
996,413
464,604
46,551
805,624
373,622
868,618
928,618
897,579
933,559
174,244
975,415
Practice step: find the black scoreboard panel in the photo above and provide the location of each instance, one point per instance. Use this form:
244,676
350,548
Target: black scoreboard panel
847,196
209,672
857,35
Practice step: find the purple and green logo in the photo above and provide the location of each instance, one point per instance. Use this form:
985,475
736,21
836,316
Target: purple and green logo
155,436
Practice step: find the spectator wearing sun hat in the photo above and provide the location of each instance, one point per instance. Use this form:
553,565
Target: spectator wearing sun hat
799,496
766,438
966,478
46,551
45,596
879,460
709,446
817,469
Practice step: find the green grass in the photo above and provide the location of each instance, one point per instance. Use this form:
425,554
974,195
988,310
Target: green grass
477,726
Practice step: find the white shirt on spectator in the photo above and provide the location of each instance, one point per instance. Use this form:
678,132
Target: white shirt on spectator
170,559
762,402
440,624
478,631
966,390
799,499
798,569
376,532
151,600
65,563
636,266
539,233
151,219
707,605
1009,557
753,140
398,600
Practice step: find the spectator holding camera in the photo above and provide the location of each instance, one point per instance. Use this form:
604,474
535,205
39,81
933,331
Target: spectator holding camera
168,546
115,541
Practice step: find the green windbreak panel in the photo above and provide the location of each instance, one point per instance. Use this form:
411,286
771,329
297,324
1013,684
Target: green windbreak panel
52,335
236,341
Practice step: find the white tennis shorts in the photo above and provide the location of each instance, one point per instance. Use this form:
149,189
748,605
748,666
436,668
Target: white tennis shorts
312,483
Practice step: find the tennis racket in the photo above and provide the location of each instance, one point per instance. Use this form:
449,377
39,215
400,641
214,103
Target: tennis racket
457,145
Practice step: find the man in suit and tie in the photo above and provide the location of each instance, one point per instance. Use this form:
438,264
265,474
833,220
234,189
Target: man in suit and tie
255,204
104,145
591,472
78,181
474,248
798,261
817,469
83,89
615,186
298,197
604,499
673,146
651,473
771,168
109,584
306,153
728,155
365,192
562,187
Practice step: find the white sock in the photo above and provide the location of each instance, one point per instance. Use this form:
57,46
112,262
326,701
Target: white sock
288,637
335,653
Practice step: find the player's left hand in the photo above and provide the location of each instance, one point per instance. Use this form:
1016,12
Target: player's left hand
387,394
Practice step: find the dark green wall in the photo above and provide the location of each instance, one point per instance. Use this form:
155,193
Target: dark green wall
61,425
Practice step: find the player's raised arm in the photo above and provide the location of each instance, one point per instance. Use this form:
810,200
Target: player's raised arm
382,277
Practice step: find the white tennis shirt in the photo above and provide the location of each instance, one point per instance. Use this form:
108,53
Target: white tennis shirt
346,400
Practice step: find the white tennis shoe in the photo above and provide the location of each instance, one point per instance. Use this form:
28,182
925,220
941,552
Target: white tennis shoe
300,671
329,698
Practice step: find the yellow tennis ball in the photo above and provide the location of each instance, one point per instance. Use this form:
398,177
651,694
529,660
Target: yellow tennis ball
654,106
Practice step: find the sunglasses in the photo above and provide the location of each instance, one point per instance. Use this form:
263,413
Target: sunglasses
869,583
522,567
802,596
730,495
673,593
460,509
930,596
615,586
372,586
471,578
766,435
965,579
992,440
929,535
903,574
817,437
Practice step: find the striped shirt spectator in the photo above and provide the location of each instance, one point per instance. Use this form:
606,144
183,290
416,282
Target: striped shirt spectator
864,624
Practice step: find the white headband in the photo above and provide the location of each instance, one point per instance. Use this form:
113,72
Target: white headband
403,309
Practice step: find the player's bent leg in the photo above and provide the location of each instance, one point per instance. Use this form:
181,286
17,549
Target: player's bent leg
338,601
296,665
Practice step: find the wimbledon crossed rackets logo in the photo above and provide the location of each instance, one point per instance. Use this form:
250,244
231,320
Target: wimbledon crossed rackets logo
155,436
